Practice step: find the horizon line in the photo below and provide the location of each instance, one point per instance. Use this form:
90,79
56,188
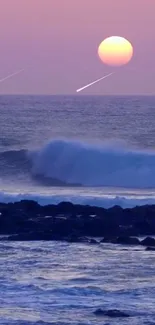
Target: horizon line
77,95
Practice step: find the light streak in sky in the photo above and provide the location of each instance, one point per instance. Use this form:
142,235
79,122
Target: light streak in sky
11,75
94,82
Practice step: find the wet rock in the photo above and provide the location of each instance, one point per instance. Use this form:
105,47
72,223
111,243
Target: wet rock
76,239
30,220
112,240
111,313
148,241
128,241
33,236
93,241
150,249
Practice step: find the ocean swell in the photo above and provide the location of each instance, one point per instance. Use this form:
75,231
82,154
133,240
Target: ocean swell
63,162
74,162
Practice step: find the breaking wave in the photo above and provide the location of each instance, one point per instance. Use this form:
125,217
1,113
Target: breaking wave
81,163
95,165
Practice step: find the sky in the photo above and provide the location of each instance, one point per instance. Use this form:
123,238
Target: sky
56,42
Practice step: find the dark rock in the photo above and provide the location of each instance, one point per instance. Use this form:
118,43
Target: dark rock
111,313
148,241
112,240
33,236
76,239
75,222
27,205
93,241
128,241
150,249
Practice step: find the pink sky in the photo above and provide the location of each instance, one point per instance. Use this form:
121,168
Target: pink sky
56,42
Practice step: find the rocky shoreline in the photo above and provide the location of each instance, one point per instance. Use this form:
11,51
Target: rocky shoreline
27,220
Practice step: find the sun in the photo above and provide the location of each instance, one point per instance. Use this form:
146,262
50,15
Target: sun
115,51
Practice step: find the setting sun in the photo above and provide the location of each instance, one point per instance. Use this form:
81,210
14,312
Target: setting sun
115,51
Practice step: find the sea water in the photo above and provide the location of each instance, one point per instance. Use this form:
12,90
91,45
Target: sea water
91,150
61,284
95,150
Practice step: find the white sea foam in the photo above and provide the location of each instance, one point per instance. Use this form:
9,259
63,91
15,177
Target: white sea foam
103,200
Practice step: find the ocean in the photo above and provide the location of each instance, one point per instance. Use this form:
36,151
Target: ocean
44,283
95,150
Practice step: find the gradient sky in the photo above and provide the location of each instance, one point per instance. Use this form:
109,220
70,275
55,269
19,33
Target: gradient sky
56,42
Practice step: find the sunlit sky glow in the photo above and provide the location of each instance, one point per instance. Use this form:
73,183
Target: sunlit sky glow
56,42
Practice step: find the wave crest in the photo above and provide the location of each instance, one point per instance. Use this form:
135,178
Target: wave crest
75,162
